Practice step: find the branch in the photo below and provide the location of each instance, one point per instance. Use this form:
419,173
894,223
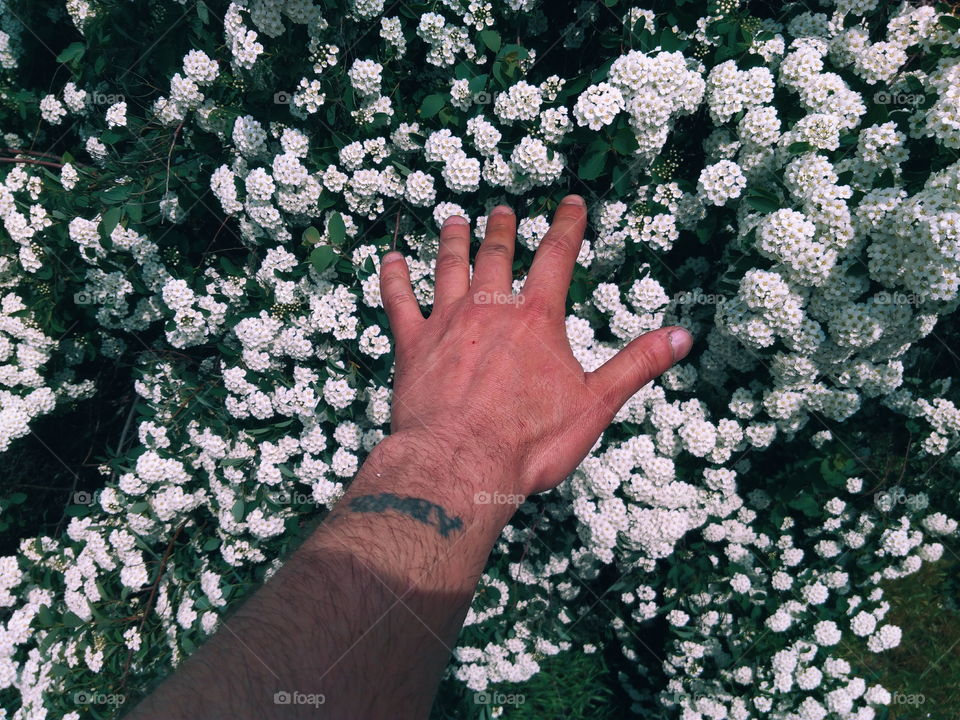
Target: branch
173,142
150,600
21,151
29,161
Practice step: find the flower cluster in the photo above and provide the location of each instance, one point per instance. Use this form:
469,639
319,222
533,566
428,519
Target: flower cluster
213,229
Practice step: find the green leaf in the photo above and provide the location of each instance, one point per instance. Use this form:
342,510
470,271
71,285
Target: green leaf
491,38
45,616
807,504
478,83
621,179
591,167
323,257
800,147
336,229
311,236
625,142
73,620
187,644
949,22
670,42
578,291
116,194
73,51
498,73
432,104
212,543
111,219
707,228
202,12
514,53
237,510
763,203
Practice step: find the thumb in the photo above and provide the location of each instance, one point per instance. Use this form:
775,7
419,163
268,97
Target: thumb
642,360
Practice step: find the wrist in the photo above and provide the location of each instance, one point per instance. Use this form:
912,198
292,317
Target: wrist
457,485
455,466
417,502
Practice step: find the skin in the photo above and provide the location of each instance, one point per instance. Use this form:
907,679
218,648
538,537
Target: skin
488,398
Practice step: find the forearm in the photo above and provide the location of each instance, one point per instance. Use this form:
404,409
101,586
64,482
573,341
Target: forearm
363,615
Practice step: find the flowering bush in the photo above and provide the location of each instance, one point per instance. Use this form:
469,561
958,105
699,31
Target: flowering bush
199,192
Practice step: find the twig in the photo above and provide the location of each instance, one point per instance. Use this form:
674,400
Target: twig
150,600
532,529
30,161
173,142
126,426
396,230
215,236
906,457
21,151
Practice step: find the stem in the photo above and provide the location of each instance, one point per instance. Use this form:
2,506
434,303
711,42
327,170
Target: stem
150,600
28,161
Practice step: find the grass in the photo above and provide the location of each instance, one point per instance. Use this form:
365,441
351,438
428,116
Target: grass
923,672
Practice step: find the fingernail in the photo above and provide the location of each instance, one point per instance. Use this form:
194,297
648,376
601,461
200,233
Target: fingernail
455,220
680,343
502,210
572,200
391,256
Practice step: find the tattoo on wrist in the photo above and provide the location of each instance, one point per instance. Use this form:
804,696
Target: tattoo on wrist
419,509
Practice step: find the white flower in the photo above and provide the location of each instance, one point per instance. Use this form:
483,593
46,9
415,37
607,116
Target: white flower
598,105
117,115
366,76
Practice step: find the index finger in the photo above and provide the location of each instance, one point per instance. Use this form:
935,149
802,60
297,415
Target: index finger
548,281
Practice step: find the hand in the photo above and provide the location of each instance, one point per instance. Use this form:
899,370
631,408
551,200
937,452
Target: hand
491,374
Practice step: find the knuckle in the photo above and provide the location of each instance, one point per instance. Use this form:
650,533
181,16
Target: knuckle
537,306
499,224
569,215
397,298
450,261
644,365
391,277
454,233
555,245
495,250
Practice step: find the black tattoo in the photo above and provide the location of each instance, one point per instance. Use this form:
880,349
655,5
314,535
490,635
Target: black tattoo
417,508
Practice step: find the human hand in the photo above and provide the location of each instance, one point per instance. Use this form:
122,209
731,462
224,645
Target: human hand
491,374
